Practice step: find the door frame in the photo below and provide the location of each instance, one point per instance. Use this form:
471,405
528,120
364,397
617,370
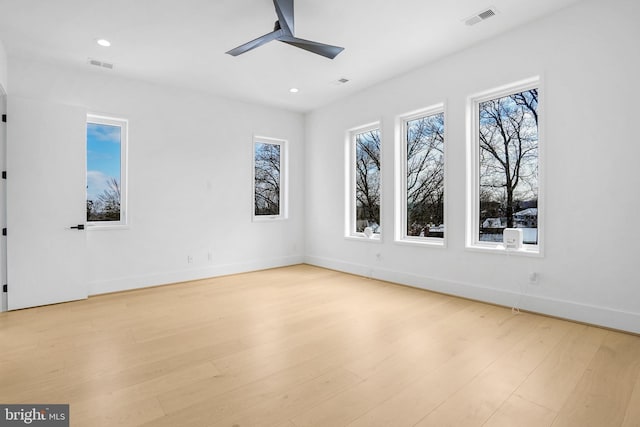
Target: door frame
3,201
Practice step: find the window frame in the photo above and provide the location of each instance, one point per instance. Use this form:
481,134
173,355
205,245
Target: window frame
472,241
401,209
123,124
350,181
284,181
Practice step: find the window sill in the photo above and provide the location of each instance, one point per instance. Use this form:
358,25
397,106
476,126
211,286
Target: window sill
527,250
360,237
423,242
268,218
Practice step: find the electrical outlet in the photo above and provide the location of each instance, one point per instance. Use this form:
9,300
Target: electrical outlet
534,277
189,259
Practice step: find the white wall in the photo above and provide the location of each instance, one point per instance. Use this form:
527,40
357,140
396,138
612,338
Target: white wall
590,63
3,67
189,182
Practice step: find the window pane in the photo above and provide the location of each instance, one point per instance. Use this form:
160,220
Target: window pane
267,179
367,151
425,176
508,172
104,144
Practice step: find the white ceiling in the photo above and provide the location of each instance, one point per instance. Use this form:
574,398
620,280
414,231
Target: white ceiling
183,42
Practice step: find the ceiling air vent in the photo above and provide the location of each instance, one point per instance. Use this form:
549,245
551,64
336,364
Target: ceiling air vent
101,64
481,16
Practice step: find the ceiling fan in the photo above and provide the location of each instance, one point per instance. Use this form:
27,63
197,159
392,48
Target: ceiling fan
284,32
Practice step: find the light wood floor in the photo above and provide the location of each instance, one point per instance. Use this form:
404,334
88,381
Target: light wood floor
304,346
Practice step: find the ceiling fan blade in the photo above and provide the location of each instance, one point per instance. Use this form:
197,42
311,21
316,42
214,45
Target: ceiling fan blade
325,50
284,9
255,43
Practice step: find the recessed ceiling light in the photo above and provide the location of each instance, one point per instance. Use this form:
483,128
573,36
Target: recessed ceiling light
294,90
103,42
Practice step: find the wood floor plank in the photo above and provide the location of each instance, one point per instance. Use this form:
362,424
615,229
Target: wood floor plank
125,414
388,371
270,401
360,345
551,384
308,357
602,395
421,397
519,411
476,401
276,409
305,346
632,415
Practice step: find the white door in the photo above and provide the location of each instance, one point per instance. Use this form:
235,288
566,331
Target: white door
46,157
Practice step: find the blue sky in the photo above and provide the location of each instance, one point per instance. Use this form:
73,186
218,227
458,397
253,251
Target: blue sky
103,157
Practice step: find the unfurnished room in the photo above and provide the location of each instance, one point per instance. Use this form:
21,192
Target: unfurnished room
316,213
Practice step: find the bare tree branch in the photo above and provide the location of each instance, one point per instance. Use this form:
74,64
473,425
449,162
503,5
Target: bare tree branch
508,138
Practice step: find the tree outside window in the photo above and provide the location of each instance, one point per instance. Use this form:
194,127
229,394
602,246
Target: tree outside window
425,176
267,179
367,180
508,166
104,169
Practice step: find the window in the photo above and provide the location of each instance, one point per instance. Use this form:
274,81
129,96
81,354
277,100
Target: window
505,148
268,194
422,207
364,167
106,171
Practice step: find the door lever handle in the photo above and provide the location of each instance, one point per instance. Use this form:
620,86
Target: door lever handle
78,227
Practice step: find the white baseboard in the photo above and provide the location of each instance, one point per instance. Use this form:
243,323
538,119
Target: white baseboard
165,278
595,315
